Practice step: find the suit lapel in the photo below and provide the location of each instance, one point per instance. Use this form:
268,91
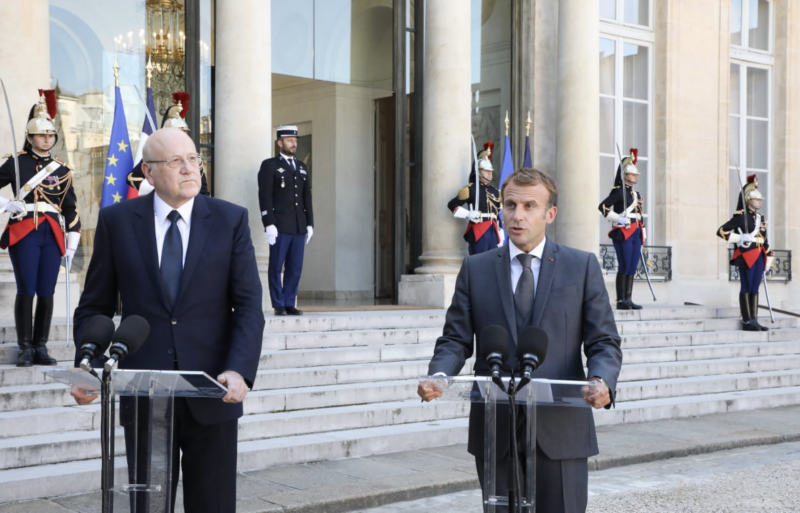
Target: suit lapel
145,229
198,237
503,275
546,272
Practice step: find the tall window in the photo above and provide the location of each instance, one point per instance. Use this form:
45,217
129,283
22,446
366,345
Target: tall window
626,95
750,132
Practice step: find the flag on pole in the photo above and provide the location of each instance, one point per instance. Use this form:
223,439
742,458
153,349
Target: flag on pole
119,161
505,171
147,130
527,162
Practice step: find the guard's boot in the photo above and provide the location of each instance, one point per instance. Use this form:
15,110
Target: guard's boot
41,331
744,309
622,303
629,293
754,313
23,318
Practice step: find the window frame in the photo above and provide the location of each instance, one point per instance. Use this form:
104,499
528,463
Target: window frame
742,51
619,21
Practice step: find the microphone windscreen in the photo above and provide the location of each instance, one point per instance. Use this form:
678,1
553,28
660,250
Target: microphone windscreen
98,331
494,339
532,340
132,332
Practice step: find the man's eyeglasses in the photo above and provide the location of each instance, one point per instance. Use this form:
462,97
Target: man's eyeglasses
194,160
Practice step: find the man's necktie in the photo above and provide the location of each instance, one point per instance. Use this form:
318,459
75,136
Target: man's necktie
172,259
294,166
523,295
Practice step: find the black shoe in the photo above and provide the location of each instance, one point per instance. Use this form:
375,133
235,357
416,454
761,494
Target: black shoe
25,355
23,319
623,305
280,311
750,326
293,311
629,293
40,355
41,331
754,312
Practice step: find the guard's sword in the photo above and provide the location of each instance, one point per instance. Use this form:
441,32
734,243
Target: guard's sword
769,303
13,137
646,272
477,174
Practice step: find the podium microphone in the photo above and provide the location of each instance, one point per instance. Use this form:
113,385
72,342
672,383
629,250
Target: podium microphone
495,343
531,351
96,338
128,338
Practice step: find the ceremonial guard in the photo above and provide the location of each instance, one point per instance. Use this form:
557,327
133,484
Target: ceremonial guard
284,197
483,232
623,209
174,117
44,225
747,229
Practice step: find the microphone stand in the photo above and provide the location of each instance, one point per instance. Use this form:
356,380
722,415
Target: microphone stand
513,477
107,459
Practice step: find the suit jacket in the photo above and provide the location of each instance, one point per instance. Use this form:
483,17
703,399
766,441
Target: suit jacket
217,323
571,306
284,196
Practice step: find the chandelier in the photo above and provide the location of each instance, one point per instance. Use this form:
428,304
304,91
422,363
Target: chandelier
166,49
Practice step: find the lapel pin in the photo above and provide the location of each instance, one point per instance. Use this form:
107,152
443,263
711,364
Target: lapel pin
551,259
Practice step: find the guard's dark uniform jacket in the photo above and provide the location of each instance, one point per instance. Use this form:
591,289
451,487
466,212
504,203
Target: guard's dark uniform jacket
54,192
614,203
284,196
489,204
753,224
136,177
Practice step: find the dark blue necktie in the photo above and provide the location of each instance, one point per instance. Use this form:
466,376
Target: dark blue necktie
172,259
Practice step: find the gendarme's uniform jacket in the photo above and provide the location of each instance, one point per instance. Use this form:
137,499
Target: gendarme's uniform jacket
489,204
756,226
614,202
54,192
284,195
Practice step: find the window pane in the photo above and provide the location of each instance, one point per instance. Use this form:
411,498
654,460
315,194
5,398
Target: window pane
757,144
635,67
608,9
634,127
736,22
733,141
758,34
757,93
607,65
293,20
735,88
637,12
607,126
332,36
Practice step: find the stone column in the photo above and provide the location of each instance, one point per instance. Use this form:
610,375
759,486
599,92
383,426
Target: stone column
577,137
447,126
243,131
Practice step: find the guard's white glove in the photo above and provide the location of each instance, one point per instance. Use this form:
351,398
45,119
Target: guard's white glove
502,236
272,234
16,207
623,221
475,216
745,237
461,213
73,240
644,235
309,234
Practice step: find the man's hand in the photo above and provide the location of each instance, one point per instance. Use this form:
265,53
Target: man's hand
16,207
309,234
623,221
745,237
237,388
272,234
598,396
428,390
475,216
82,397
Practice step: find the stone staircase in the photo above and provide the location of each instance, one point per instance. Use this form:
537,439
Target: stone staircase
340,385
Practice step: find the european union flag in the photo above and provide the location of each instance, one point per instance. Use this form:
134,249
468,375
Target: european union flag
119,161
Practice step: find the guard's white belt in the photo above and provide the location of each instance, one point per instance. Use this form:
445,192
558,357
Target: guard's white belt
41,206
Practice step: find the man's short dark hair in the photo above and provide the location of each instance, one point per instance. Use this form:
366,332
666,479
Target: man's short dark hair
531,176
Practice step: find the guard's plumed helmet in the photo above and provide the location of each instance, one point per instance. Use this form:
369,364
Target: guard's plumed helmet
751,189
483,160
629,163
175,115
40,120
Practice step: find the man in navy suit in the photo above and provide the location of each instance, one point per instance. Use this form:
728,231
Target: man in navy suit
284,196
186,263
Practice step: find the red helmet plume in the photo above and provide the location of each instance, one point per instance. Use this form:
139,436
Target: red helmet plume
51,101
184,98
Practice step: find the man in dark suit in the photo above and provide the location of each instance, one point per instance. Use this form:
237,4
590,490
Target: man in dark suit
533,281
185,263
284,196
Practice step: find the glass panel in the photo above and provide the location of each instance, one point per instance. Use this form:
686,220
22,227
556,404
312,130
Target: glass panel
608,9
477,40
736,22
293,37
634,67
758,25
607,126
733,141
634,127
607,65
332,34
206,97
735,98
757,144
637,12
757,92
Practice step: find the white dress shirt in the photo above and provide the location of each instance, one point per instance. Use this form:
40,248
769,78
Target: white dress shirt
162,210
290,160
516,265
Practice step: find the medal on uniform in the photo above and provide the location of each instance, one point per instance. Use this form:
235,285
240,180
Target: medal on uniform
283,183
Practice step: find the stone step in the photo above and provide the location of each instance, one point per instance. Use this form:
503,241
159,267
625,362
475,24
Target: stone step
28,397
299,358
663,313
363,320
49,420
84,476
710,352
694,325
353,373
708,337
695,405
685,369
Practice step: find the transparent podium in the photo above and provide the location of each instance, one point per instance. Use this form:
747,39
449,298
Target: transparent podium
534,394
144,459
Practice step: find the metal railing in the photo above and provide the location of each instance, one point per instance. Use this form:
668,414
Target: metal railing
781,270
659,262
